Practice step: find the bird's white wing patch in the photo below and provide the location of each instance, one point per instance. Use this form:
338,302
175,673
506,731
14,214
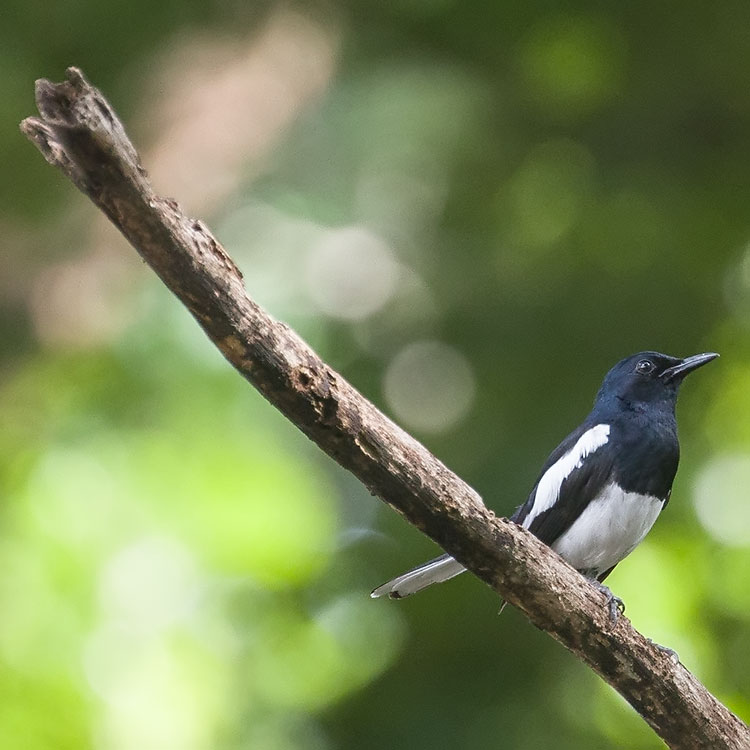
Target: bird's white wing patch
548,489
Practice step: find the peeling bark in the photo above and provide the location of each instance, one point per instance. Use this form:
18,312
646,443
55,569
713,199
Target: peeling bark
79,133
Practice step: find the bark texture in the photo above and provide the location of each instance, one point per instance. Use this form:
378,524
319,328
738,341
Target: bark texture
78,132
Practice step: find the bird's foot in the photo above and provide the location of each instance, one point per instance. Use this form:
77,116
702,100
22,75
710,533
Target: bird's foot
671,653
615,605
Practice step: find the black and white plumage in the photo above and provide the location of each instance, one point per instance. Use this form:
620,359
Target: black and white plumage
601,490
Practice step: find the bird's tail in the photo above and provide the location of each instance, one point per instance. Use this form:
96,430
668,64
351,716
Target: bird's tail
435,571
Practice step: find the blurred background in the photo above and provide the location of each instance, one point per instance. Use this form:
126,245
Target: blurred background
471,211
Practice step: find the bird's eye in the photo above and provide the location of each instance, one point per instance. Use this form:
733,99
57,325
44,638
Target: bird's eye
644,367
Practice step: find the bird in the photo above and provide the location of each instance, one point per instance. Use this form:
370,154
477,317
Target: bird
603,487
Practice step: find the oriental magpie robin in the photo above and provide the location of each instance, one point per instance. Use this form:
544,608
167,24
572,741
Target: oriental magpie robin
603,487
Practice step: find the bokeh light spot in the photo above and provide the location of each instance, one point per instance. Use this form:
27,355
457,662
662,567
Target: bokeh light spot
548,190
572,65
158,693
720,498
74,497
737,287
351,273
310,663
248,508
727,421
150,584
429,386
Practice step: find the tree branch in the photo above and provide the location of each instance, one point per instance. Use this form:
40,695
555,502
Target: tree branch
79,133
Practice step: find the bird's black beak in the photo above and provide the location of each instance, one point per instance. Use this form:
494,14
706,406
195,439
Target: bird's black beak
687,365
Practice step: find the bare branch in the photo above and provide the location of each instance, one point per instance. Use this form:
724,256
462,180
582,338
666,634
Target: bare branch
79,133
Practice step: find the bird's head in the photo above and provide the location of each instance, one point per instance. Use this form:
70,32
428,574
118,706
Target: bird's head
649,377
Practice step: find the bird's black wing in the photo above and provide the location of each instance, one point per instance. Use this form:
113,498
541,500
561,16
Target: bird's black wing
576,491
519,516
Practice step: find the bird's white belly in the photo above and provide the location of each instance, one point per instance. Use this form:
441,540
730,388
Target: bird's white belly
608,530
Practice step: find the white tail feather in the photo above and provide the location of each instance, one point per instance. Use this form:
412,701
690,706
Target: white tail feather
438,570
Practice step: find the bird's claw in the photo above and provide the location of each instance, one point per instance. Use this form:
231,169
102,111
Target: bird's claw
615,605
671,653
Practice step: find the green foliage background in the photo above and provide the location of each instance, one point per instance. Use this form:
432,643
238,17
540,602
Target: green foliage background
529,193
